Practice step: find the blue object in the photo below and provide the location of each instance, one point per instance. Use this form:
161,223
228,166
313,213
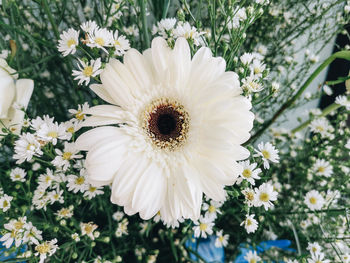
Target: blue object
263,246
13,255
205,247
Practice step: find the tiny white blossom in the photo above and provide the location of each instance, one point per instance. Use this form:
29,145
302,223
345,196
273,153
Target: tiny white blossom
68,42
264,195
26,147
343,101
221,239
87,70
249,172
252,257
18,174
203,227
250,224
5,202
268,152
314,200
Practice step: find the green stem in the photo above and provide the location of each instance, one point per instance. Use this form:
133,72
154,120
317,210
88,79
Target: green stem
287,104
52,21
144,23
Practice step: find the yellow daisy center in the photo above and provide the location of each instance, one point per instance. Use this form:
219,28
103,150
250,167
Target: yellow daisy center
29,146
321,169
117,43
43,248
211,209
71,42
100,41
320,128
67,155
18,225
5,204
80,180
87,71
70,129
203,226
266,154
249,222
250,196
88,228
80,115
247,173
264,197
313,200
252,261
52,134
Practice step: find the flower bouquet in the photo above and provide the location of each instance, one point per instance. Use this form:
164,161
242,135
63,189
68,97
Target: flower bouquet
174,131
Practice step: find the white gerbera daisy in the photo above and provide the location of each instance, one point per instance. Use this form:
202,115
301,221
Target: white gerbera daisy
87,70
314,200
18,174
68,42
182,121
322,167
268,152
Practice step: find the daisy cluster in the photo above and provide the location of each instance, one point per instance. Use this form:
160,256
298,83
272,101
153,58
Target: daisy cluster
113,44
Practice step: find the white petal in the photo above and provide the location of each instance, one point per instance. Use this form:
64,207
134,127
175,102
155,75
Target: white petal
102,93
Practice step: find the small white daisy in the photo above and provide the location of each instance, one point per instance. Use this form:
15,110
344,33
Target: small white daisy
189,32
77,183
249,172
246,58
45,249
343,101
314,247
251,84
212,209
249,195
322,168
314,200
250,224
26,147
252,257
89,26
63,158
120,43
347,145
264,195
80,113
68,42
323,127
87,70
92,191
65,212
5,202
203,227
318,258
18,174
100,38
268,152
117,216
88,229
51,132
221,239
165,27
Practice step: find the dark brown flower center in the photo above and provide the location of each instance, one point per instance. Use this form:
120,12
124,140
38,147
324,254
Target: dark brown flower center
166,123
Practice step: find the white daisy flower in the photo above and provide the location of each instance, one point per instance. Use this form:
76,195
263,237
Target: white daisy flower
249,195
72,126
32,235
117,216
88,229
168,102
250,224
5,202
18,174
264,195
165,27
184,29
65,212
343,101
249,172
120,43
318,258
89,26
63,158
212,209
268,152
80,113
203,227
45,249
257,68
246,58
55,196
251,84
68,42
221,239
92,191
16,228
77,183
87,71
323,127
51,132
46,180
100,38
252,257
314,200
75,237
322,168
26,147
347,145
346,257
38,122
314,247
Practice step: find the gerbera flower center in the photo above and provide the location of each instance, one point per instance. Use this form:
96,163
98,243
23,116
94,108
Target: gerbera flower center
166,122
